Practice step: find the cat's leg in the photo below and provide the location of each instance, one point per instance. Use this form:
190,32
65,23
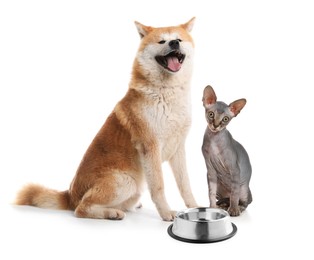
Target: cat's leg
108,198
212,187
234,209
223,197
211,173
178,166
245,198
250,197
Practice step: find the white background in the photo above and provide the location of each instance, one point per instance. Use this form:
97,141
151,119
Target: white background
65,64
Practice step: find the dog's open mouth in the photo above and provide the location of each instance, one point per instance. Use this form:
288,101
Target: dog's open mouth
172,61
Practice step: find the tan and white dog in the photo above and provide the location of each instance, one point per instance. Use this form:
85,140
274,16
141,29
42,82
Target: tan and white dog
147,127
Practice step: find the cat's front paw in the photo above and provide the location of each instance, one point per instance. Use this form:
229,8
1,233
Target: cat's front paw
223,203
234,211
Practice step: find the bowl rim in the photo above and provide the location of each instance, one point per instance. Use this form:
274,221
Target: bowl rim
206,209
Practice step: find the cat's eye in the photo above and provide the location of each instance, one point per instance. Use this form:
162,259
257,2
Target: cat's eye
225,119
211,114
162,42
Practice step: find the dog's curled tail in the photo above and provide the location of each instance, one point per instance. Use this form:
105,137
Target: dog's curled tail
39,196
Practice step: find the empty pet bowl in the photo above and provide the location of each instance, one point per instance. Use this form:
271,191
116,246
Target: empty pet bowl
202,225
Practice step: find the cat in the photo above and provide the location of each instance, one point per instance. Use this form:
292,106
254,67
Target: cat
228,165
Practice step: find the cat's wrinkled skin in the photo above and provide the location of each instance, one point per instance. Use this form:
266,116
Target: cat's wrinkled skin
228,164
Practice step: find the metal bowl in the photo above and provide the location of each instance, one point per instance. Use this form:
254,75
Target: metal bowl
202,225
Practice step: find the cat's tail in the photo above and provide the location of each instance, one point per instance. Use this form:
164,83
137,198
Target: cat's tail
39,196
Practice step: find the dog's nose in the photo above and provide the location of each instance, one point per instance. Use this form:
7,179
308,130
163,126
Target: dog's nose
174,44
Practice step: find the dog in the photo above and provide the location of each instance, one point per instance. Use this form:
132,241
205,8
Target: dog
147,126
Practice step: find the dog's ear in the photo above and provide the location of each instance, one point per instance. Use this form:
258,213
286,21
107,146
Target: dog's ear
143,30
189,25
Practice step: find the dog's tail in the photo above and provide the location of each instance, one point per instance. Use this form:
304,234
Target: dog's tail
39,196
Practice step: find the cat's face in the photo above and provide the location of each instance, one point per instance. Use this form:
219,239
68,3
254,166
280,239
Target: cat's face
218,114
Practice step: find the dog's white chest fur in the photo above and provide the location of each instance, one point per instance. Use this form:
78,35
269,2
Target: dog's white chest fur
169,117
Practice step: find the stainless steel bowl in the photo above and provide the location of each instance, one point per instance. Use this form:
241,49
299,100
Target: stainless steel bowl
202,225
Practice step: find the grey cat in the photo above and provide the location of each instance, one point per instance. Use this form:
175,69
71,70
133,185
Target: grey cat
228,165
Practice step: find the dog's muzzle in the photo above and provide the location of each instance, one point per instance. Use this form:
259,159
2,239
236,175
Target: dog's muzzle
173,60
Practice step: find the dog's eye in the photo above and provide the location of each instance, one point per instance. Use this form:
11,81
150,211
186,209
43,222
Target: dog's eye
162,42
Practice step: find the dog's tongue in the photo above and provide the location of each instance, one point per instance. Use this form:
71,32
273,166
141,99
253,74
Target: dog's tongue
174,64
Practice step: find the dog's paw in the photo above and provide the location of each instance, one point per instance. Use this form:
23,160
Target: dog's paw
114,214
192,205
139,205
168,215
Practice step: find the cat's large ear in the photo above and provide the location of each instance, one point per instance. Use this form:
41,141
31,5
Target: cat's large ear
236,106
209,96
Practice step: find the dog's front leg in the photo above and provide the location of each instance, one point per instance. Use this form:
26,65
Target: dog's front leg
151,162
178,166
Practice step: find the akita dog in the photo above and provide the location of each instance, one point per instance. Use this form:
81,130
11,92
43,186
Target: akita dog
147,127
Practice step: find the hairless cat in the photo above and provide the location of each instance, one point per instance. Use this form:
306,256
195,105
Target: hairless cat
228,164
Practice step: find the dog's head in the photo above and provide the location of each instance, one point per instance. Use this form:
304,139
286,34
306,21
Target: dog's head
165,49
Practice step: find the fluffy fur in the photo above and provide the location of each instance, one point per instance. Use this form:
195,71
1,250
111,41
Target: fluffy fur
147,127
